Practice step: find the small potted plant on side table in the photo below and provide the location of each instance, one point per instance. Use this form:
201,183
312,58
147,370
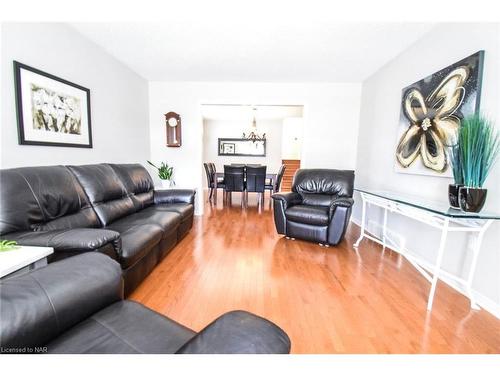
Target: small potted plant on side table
479,146
6,245
165,174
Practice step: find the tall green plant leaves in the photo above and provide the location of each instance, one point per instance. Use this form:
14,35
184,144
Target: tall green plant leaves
456,164
479,146
164,171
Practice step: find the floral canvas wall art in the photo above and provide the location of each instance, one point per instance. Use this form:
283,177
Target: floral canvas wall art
431,112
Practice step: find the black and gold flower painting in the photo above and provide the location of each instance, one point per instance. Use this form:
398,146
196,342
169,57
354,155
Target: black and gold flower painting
431,112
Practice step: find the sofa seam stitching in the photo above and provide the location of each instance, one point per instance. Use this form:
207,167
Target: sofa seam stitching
34,196
50,301
113,332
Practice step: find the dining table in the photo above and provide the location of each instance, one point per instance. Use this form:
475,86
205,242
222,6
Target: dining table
270,177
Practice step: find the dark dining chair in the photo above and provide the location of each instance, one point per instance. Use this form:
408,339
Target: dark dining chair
256,181
219,182
234,180
275,185
212,181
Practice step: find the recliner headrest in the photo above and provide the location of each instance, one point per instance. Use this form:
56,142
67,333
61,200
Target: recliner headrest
324,181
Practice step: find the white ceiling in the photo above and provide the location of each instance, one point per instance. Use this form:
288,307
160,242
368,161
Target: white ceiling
247,112
246,47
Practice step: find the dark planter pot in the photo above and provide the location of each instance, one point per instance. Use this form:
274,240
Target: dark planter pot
453,195
472,199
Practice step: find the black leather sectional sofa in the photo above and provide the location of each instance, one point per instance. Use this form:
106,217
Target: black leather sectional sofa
107,208
76,306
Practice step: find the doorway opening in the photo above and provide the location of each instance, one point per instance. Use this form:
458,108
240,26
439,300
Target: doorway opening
257,134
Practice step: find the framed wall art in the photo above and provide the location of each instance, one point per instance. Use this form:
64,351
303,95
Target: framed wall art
431,113
50,110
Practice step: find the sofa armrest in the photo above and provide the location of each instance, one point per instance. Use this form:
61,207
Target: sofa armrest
39,306
340,202
288,199
340,213
70,240
238,332
174,196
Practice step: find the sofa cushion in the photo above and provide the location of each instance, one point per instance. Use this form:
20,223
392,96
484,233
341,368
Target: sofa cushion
167,221
43,198
137,240
302,213
105,191
137,182
186,210
123,327
37,307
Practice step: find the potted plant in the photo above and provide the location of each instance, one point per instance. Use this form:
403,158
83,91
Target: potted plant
165,174
6,245
456,167
479,146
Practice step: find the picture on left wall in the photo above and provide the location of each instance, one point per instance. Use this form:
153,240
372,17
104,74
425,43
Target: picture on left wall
50,110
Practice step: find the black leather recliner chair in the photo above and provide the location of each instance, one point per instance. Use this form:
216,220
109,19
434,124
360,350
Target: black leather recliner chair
76,306
319,206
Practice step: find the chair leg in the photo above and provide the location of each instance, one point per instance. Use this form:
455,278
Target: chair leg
215,196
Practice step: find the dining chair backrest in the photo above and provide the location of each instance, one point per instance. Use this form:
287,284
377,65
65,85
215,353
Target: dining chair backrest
209,174
279,178
212,168
234,178
256,179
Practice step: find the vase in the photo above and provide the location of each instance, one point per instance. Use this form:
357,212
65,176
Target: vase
453,195
471,199
166,184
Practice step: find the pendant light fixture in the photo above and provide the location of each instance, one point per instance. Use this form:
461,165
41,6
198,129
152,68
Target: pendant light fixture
253,135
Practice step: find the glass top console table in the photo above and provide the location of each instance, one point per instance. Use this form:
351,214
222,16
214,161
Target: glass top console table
435,214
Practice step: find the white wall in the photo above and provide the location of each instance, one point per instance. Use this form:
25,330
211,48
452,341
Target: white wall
330,121
119,97
215,129
381,99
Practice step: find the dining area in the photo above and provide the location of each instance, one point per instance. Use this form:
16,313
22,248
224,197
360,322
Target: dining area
243,179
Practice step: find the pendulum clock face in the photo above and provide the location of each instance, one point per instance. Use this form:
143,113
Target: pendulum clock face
173,125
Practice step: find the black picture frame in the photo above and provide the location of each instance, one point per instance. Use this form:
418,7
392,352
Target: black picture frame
228,148
222,141
18,67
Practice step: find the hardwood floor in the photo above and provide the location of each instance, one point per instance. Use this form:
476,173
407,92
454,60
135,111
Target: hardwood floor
328,300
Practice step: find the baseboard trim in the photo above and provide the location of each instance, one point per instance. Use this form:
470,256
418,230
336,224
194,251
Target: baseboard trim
486,303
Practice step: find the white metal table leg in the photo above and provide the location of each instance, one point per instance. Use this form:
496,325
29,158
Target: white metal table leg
363,216
472,270
437,267
384,230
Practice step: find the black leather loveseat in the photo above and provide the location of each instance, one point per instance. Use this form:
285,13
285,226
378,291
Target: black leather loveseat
319,206
108,208
76,306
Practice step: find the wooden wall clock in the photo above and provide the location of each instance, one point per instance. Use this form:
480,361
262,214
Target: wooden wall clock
173,124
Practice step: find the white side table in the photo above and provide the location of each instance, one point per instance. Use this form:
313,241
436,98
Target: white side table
23,259
437,215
